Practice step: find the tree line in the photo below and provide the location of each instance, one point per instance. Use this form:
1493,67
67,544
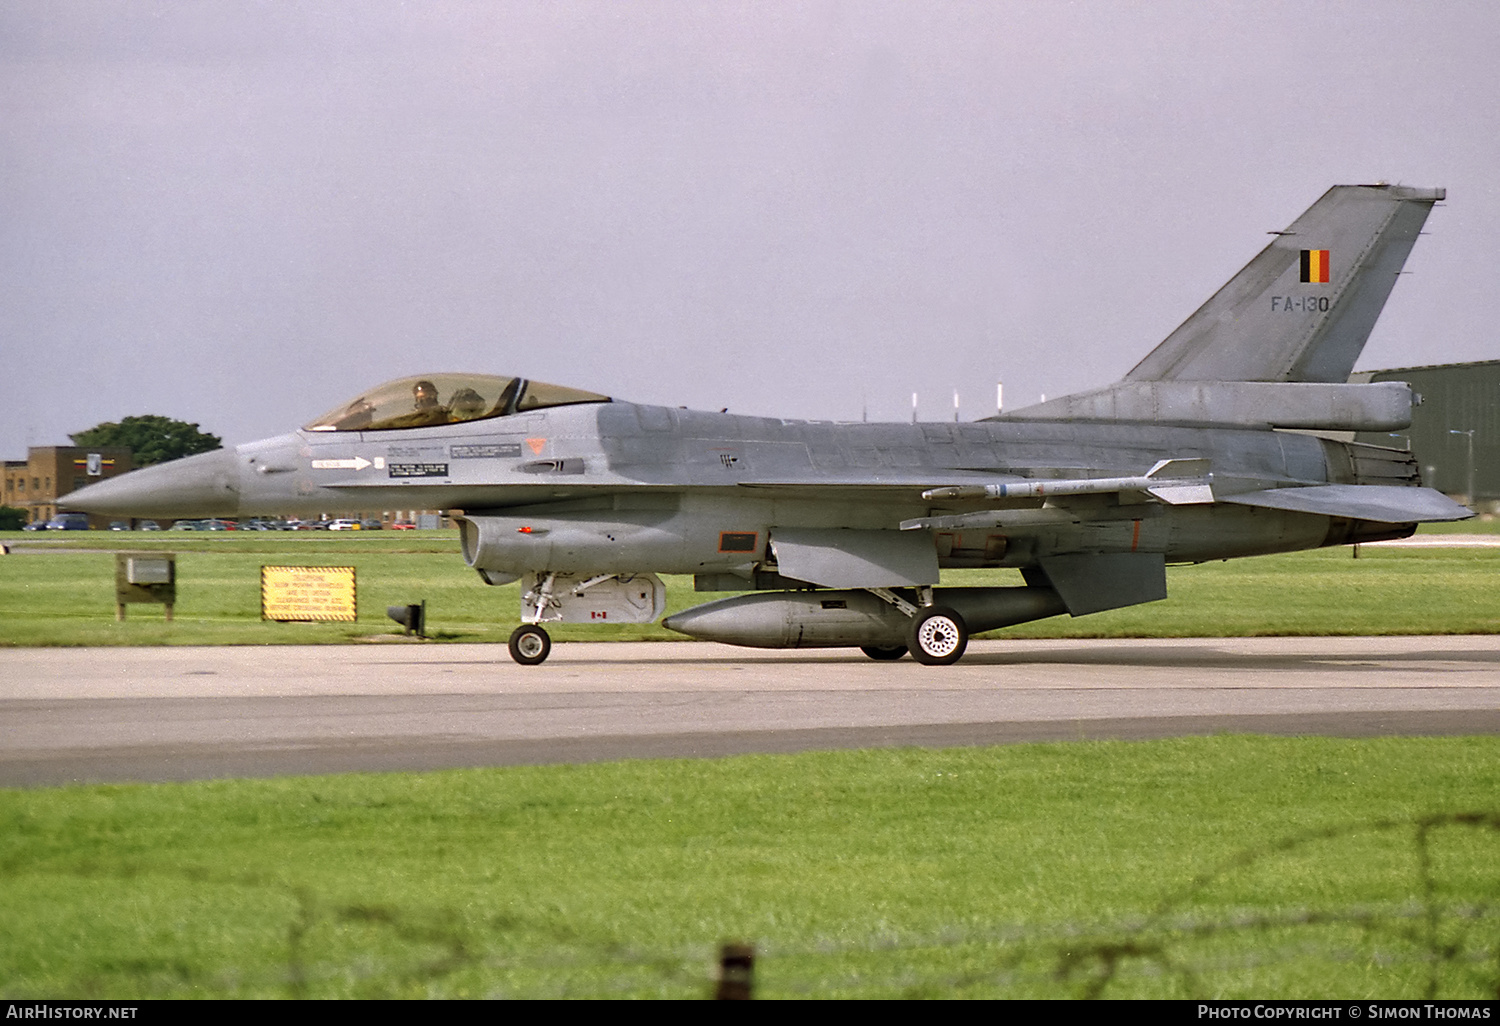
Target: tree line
151,438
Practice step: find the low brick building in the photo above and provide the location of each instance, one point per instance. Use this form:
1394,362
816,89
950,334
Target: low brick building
50,472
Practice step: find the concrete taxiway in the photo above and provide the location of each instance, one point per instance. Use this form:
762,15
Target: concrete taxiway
187,713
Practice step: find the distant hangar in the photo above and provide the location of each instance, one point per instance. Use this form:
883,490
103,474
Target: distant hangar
1455,432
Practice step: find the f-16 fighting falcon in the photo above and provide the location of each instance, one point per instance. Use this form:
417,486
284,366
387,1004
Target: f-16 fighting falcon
837,533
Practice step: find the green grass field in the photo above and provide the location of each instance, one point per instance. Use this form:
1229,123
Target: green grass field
1206,867
1232,867
66,598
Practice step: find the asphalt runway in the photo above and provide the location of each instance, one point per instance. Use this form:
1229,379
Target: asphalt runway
122,714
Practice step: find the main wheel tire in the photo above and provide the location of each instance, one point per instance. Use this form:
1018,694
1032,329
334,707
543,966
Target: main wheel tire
883,653
938,636
529,644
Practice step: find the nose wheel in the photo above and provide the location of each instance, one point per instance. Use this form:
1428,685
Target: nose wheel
529,644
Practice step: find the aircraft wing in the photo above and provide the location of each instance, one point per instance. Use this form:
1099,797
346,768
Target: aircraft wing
1393,504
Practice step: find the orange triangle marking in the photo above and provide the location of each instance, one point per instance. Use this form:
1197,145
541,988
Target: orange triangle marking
537,444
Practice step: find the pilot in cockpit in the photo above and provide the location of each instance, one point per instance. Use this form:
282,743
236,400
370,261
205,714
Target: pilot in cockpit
416,402
466,404
426,409
424,396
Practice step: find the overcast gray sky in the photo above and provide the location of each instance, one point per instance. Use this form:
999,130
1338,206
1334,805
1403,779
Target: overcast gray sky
241,213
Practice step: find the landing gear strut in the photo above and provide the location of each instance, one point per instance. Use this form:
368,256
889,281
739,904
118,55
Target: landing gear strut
937,635
529,644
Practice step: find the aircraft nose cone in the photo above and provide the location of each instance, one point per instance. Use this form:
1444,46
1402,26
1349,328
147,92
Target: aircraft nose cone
195,486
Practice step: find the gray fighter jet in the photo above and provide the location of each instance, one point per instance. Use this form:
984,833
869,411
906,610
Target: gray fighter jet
1221,443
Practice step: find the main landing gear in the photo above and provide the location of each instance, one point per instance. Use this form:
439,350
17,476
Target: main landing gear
937,635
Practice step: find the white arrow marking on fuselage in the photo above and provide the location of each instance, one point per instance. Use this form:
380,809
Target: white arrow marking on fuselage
358,463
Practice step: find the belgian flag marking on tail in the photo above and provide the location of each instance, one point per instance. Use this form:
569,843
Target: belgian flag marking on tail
1315,266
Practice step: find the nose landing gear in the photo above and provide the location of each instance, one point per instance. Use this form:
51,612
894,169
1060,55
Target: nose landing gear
529,644
557,597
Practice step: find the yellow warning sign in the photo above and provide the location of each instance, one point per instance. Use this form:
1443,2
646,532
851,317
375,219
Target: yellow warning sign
307,593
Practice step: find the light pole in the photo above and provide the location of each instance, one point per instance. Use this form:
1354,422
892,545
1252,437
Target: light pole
1470,434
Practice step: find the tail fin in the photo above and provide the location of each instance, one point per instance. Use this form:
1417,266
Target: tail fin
1303,308
1275,346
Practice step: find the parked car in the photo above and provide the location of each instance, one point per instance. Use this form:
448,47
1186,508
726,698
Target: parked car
36,525
148,525
119,525
187,525
403,525
69,522
344,524
371,524
217,525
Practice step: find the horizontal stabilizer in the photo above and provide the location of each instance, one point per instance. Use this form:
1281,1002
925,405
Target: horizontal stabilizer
1390,504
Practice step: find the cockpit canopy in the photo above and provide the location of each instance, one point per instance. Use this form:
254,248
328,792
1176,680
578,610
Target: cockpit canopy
431,399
